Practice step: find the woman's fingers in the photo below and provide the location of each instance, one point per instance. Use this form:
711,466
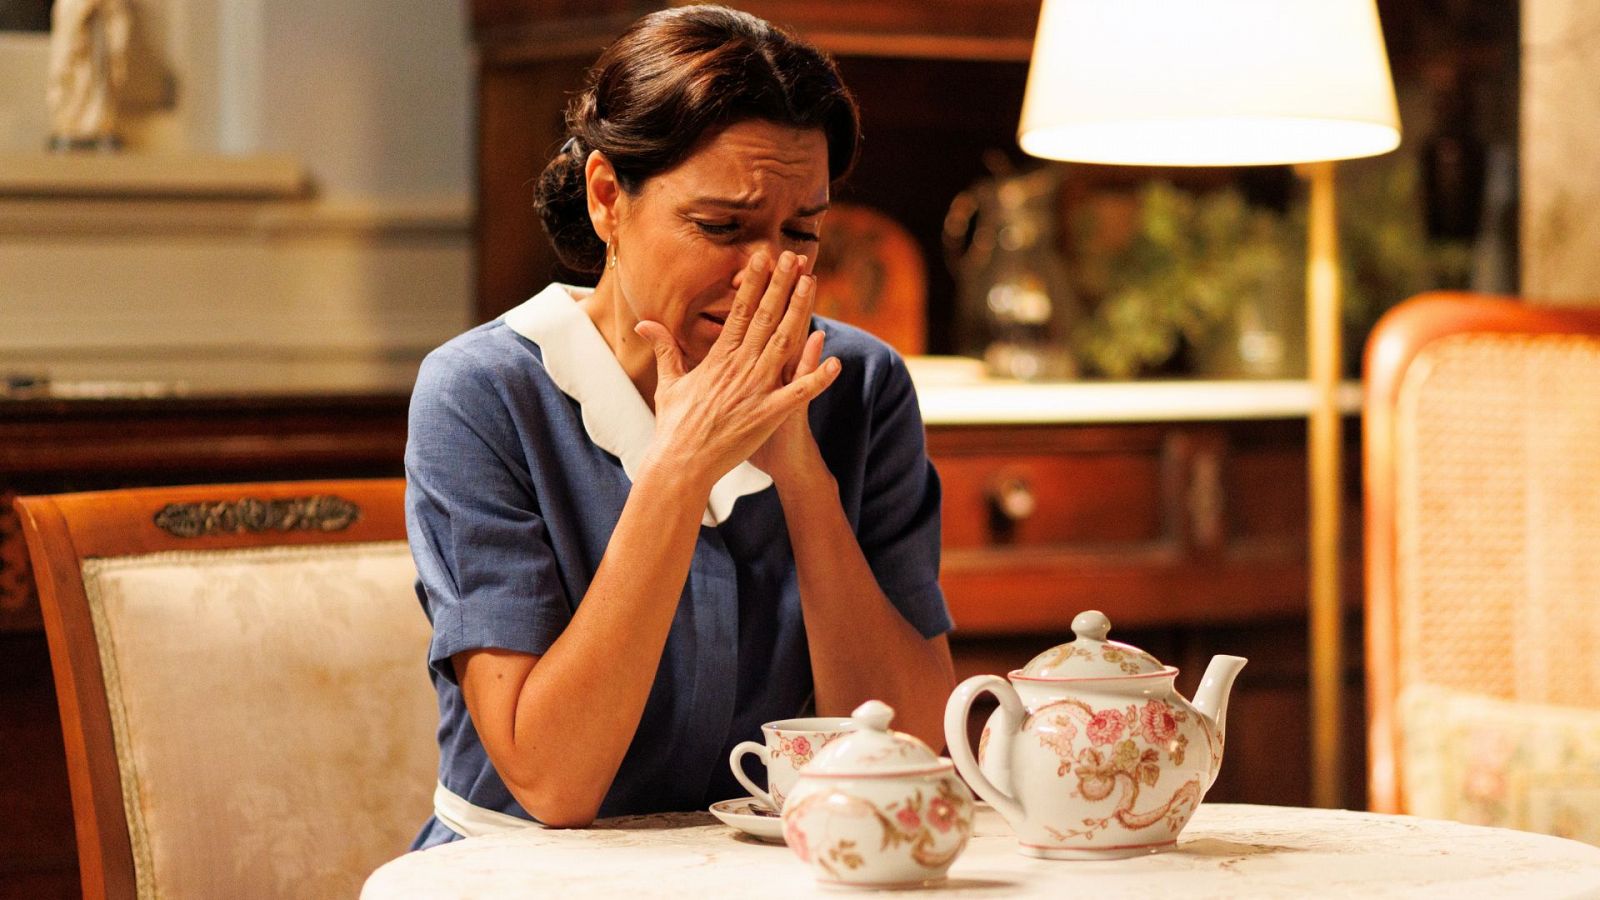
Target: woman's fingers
764,321
746,297
807,361
811,356
806,388
669,358
790,337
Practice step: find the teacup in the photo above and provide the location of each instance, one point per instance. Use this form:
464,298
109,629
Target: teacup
790,744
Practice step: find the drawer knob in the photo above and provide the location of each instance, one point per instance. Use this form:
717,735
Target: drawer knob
1012,500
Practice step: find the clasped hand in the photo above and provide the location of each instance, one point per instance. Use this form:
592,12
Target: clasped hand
748,397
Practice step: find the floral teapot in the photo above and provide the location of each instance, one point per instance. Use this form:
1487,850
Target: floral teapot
1092,753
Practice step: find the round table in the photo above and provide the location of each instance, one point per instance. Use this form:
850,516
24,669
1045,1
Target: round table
1227,851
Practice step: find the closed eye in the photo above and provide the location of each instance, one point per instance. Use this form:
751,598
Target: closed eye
718,228
727,229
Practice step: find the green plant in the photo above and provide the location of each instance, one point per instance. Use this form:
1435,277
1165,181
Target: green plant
1193,257
1189,260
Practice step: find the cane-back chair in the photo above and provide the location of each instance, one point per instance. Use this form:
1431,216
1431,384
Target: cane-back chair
1482,464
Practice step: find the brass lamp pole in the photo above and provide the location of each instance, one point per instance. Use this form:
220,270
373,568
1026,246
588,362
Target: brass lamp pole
1324,447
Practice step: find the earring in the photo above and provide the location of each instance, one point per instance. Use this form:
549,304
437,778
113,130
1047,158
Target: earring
611,253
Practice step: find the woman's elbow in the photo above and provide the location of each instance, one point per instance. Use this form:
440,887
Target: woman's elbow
555,804
567,818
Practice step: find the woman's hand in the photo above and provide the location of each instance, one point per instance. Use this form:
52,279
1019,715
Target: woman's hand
760,374
792,447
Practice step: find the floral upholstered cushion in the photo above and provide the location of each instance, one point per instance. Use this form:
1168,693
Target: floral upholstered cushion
1488,761
272,714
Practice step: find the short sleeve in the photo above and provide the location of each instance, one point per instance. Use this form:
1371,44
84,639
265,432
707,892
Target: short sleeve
899,523
486,571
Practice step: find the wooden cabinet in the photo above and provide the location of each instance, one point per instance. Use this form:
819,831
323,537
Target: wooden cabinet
1168,522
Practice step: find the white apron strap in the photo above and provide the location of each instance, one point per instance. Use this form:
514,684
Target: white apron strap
470,820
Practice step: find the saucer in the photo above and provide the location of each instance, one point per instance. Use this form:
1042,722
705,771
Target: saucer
751,817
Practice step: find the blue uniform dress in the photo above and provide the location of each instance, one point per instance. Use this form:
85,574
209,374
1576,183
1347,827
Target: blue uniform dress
523,432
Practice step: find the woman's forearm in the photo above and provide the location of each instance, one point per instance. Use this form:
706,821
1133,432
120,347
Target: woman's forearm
861,647
557,726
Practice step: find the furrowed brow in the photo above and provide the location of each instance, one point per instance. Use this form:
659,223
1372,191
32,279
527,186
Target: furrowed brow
734,203
727,202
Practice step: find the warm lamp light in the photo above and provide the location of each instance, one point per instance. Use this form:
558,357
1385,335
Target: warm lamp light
1236,83
1214,83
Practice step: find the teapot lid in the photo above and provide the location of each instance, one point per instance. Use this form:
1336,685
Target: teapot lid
1091,655
870,748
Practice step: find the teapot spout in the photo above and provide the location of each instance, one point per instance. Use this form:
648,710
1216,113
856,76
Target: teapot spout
1211,698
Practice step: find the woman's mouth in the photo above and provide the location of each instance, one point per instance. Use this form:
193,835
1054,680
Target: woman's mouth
707,327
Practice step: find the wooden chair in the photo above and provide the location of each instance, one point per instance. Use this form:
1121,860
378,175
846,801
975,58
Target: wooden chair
1482,458
242,681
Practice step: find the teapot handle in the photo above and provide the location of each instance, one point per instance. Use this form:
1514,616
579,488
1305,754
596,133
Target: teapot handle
955,734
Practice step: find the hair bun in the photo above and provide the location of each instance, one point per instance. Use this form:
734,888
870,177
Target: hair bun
561,199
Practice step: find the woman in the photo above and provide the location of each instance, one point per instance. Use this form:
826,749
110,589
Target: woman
649,517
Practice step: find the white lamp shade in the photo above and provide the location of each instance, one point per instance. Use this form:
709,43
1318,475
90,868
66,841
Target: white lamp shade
1209,82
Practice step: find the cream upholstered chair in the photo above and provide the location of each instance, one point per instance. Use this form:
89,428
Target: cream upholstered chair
242,681
1482,453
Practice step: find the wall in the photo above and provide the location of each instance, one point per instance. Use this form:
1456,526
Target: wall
1560,142
343,284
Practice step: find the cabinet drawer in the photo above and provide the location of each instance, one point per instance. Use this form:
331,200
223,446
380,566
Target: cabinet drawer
1084,498
1059,488
1155,523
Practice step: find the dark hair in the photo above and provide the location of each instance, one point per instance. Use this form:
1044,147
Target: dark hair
672,78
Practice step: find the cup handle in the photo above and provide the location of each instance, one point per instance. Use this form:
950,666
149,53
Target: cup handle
955,734
736,760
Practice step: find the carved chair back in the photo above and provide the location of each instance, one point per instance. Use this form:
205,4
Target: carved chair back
1481,431
240,671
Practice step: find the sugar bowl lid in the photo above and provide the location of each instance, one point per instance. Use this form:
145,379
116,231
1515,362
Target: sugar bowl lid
870,748
1091,655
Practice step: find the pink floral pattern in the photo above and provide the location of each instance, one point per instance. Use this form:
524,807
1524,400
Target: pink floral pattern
1106,726
1056,732
942,814
795,837
1158,722
1124,754
799,750
919,823
1512,764
1129,660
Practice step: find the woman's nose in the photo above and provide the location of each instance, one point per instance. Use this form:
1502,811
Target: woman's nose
772,249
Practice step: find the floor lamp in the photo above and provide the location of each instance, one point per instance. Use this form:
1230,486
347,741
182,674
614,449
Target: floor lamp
1232,83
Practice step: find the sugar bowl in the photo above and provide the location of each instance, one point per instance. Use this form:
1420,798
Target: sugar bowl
878,809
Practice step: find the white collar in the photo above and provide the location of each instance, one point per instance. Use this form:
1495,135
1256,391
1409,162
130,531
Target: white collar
615,416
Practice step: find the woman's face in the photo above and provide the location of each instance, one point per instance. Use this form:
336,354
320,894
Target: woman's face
682,241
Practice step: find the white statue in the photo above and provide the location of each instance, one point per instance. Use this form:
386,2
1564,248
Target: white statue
88,66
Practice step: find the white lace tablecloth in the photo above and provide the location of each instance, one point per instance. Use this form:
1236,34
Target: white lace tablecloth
1227,851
